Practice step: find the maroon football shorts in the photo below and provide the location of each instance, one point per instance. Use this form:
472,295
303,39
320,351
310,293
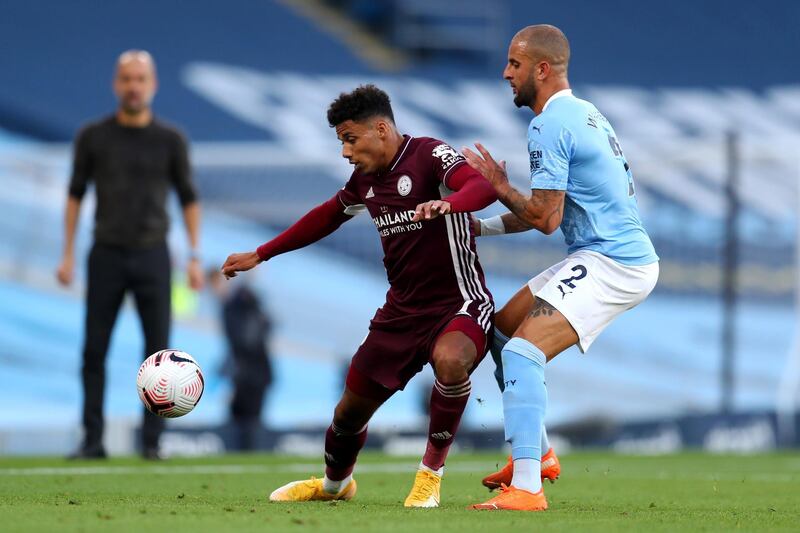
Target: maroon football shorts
399,345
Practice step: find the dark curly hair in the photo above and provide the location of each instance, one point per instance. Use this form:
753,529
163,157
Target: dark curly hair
365,102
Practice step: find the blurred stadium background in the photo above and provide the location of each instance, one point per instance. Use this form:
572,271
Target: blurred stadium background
707,108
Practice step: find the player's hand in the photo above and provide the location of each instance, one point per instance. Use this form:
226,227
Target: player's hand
430,210
66,270
194,273
494,172
239,263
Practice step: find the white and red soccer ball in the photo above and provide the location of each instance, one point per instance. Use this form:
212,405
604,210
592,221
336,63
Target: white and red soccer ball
170,383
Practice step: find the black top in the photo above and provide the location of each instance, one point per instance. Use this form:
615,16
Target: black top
132,169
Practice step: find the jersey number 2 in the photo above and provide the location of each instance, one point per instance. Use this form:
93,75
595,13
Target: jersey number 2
580,273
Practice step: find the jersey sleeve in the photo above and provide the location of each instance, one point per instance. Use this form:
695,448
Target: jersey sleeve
82,164
313,226
349,197
550,148
444,159
472,191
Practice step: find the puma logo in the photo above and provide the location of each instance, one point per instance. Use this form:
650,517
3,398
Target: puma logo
538,129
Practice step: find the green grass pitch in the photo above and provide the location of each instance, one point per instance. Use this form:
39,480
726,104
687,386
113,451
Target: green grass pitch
596,492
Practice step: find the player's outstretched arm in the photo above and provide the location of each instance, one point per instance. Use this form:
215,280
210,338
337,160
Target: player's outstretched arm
241,262
313,226
542,210
471,193
500,225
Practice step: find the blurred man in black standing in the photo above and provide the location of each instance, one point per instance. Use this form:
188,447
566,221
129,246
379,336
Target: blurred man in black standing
247,330
133,160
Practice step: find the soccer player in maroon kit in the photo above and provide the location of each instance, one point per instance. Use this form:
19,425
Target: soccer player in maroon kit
437,309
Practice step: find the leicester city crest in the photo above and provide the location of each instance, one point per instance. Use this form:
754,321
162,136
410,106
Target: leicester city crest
404,185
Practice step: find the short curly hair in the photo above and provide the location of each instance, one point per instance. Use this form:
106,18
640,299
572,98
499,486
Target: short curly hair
366,101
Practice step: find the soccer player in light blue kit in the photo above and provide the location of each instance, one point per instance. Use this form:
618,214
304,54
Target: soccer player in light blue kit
581,182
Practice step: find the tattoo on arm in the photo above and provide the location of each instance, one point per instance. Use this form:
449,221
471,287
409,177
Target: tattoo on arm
542,307
537,210
514,224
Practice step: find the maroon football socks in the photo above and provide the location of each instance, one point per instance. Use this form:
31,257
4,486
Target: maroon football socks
448,402
341,451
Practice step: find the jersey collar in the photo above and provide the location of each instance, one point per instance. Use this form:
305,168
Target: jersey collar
559,94
399,155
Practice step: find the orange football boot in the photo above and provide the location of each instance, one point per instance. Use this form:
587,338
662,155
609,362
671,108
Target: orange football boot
514,499
551,469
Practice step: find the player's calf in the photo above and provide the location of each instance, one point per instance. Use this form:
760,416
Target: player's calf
341,451
453,357
345,437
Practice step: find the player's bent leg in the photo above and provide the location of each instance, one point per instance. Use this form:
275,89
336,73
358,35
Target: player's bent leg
525,401
513,313
507,320
547,329
343,441
454,355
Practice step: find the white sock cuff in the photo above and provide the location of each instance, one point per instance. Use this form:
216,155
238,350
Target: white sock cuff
527,475
339,431
439,472
454,391
335,487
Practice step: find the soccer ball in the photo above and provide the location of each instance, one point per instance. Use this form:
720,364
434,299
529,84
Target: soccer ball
170,383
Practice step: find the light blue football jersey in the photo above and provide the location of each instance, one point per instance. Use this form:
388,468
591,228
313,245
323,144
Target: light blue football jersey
573,148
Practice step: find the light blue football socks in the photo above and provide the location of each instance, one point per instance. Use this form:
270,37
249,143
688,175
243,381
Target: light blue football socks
524,405
499,342
545,440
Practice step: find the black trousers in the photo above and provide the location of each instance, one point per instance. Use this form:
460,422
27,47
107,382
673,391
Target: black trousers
246,406
112,272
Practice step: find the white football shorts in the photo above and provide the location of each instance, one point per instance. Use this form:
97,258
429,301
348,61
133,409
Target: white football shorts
591,290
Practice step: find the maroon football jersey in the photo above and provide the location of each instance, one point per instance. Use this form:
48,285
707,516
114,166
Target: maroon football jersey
430,264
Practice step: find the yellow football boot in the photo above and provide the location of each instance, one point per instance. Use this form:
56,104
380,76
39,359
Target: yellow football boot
425,492
310,490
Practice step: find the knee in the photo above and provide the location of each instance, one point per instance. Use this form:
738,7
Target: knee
452,364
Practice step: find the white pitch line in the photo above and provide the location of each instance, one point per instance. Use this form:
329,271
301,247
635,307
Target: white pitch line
368,468
385,468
